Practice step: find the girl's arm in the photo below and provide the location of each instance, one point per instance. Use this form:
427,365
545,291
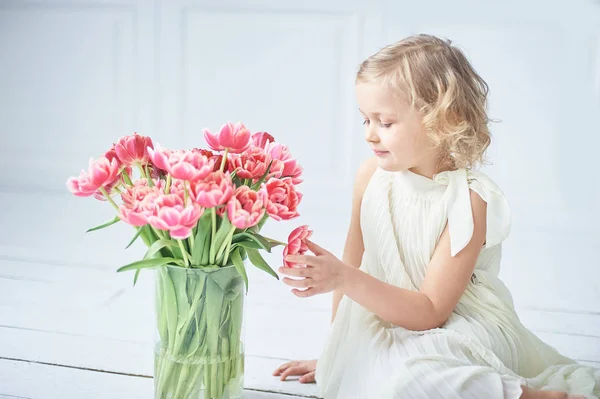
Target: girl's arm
354,247
444,283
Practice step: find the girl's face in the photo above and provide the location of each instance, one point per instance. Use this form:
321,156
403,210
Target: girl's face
393,130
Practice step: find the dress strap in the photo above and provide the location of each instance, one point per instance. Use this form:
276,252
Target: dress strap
459,211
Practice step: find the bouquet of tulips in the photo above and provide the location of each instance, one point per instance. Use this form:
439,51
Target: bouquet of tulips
200,214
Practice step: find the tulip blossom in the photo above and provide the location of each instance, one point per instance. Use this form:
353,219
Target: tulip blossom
251,164
296,245
247,207
282,199
262,139
101,173
291,168
169,214
213,191
133,149
185,165
235,138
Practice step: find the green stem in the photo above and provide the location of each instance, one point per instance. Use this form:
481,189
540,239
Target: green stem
158,232
227,242
168,186
224,159
103,190
277,242
185,259
141,169
191,242
212,237
185,194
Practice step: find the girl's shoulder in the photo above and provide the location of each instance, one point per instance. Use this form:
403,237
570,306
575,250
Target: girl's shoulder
461,184
365,172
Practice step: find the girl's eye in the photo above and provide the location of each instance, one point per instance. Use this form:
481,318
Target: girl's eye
365,122
386,125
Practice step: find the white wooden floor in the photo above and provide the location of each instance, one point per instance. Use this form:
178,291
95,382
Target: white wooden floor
73,331
71,327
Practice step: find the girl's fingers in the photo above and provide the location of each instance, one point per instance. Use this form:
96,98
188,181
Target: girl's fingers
306,293
310,377
304,283
296,271
296,370
282,367
315,249
302,259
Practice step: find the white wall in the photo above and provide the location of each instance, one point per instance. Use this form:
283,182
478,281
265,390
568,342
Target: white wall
76,76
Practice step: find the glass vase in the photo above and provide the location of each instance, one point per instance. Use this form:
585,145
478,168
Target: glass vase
199,351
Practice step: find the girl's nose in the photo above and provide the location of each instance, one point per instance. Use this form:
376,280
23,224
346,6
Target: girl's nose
371,133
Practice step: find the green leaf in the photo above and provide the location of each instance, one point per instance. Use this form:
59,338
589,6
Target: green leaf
179,277
247,244
206,251
103,225
137,273
169,305
126,177
147,172
263,242
137,234
239,265
146,263
262,179
222,232
202,233
243,253
158,245
275,243
220,237
258,261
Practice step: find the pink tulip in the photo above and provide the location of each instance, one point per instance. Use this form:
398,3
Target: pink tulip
101,173
247,207
140,189
112,154
192,166
133,149
137,216
251,164
213,191
178,187
296,245
262,139
110,188
235,137
291,168
138,202
283,199
170,214
160,157
276,169
185,165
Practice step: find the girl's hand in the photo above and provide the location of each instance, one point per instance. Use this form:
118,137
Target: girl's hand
304,368
323,273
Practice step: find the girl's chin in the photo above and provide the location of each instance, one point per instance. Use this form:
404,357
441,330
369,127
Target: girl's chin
389,166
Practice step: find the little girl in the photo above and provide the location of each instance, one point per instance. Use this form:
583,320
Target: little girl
422,312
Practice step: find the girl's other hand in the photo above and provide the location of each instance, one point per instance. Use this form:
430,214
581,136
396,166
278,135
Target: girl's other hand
304,368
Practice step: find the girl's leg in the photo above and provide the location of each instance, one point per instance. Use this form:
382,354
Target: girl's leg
530,393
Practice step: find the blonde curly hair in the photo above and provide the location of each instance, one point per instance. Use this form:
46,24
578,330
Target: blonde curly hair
442,85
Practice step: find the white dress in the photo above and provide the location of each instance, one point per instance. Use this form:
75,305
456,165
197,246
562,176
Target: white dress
483,350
